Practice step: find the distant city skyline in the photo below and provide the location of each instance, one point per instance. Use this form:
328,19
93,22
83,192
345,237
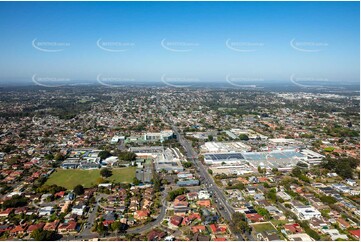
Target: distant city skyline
238,42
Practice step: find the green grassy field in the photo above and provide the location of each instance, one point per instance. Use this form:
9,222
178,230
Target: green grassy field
263,227
70,178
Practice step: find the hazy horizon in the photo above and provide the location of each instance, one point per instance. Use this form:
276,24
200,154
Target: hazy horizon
172,42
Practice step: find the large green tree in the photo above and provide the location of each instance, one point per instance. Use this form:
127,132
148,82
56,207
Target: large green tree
105,172
43,235
78,190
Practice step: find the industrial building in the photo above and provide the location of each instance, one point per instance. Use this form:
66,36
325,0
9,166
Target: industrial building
169,160
147,151
219,147
159,136
145,175
280,159
313,158
186,183
252,135
116,139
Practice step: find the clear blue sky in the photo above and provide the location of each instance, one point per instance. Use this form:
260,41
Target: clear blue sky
332,28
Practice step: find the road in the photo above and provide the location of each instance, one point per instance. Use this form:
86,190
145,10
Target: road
154,223
224,208
86,233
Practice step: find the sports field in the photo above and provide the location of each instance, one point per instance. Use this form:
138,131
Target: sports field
69,178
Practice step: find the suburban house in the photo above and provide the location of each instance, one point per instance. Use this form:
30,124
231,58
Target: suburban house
69,227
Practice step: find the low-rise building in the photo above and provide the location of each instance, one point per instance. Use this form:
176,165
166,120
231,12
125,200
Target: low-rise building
306,212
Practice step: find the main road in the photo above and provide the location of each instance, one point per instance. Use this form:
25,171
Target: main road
224,208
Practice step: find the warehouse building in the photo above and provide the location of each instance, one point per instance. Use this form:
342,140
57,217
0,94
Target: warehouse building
187,183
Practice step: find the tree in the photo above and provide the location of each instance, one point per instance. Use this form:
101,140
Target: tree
43,235
349,124
328,200
115,226
104,154
100,228
210,137
59,157
296,171
260,170
239,223
263,212
344,167
50,189
79,190
243,137
127,156
173,194
274,170
49,156
156,182
187,164
311,233
136,181
105,172
15,201
272,194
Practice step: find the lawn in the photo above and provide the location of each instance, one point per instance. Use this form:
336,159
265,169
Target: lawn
278,222
263,227
71,177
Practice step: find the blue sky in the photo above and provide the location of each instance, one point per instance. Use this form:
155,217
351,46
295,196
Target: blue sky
325,34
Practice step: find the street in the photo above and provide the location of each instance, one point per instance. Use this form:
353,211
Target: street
225,210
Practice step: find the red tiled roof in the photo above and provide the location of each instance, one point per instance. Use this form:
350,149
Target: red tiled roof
142,213
194,216
198,228
6,211
51,225
34,227
205,203
254,217
59,194
17,229
180,198
213,228
176,220
20,210
71,225
355,233
6,227
154,234
294,228
107,222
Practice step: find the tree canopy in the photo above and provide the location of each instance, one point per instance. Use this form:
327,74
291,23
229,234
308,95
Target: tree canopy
105,172
43,235
79,190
